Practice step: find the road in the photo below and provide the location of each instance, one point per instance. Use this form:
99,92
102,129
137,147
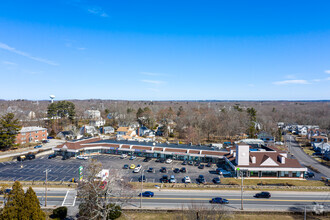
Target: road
167,199
305,159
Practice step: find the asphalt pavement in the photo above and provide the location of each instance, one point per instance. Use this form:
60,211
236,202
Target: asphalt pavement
305,159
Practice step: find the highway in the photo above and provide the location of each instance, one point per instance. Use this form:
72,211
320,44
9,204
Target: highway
305,159
167,199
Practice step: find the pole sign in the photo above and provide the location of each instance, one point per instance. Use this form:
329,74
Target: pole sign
80,170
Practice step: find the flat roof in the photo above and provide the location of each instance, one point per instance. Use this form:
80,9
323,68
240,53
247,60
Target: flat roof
151,144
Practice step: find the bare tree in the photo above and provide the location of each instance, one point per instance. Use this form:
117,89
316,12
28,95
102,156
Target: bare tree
101,197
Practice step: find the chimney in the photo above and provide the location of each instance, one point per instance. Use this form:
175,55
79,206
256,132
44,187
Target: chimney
253,159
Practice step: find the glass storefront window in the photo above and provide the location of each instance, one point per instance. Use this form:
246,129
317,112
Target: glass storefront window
284,174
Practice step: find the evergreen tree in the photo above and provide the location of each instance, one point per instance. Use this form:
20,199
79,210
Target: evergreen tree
14,204
9,128
32,208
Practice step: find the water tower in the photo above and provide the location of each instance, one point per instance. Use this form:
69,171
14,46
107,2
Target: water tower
52,97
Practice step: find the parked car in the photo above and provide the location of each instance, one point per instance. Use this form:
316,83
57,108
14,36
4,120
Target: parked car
201,179
262,195
147,159
51,156
183,170
172,179
169,161
216,180
137,169
80,157
123,156
132,166
45,141
197,163
150,170
219,200
21,158
209,164
132,157
50,137
309,175
163,170
162,160
187,179
184,162
147,194
125,166
30,156
65,157
157,160
222,171
176,170
38,146
164,179
190,163
317,153
142,178
201,166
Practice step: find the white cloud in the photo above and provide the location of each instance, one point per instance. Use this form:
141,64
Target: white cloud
8,63
316,80
157,82
293,81
11,49
327,71
97,11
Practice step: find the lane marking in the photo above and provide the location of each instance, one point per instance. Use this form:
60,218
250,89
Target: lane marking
67,192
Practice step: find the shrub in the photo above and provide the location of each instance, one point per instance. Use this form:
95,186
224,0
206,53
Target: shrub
115,211
60,212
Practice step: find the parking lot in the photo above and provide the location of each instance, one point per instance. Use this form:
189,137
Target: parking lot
65,170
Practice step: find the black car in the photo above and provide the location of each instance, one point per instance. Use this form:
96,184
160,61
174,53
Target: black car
201,179
164,179
51,156
209,164
163,170
30,156
190,163
201,166
147,159
125,166
162,160
45,141
183,170
197,164
263,195
150,170
184,162
157,160
219,200
309,175
65,157
216,180
176,170
142,178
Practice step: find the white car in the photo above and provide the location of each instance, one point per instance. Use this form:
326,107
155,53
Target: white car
123,156
169,161
137,169
187,179
82,157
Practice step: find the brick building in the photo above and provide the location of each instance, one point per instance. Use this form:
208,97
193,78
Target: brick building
31,134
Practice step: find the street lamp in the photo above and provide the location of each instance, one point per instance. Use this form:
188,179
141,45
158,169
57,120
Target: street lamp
46,171
241,172
141,189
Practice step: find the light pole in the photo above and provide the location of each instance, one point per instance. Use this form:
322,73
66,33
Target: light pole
46,171
241,172
141,189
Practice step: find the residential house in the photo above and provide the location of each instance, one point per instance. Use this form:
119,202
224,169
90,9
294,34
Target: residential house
91,130
107,130
66,135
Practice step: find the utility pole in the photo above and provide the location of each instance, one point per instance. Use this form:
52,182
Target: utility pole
141,189
242,190
46,186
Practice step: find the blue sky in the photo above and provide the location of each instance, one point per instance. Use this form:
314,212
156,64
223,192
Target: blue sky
164,50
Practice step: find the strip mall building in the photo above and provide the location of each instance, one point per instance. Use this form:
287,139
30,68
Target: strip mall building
252,161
